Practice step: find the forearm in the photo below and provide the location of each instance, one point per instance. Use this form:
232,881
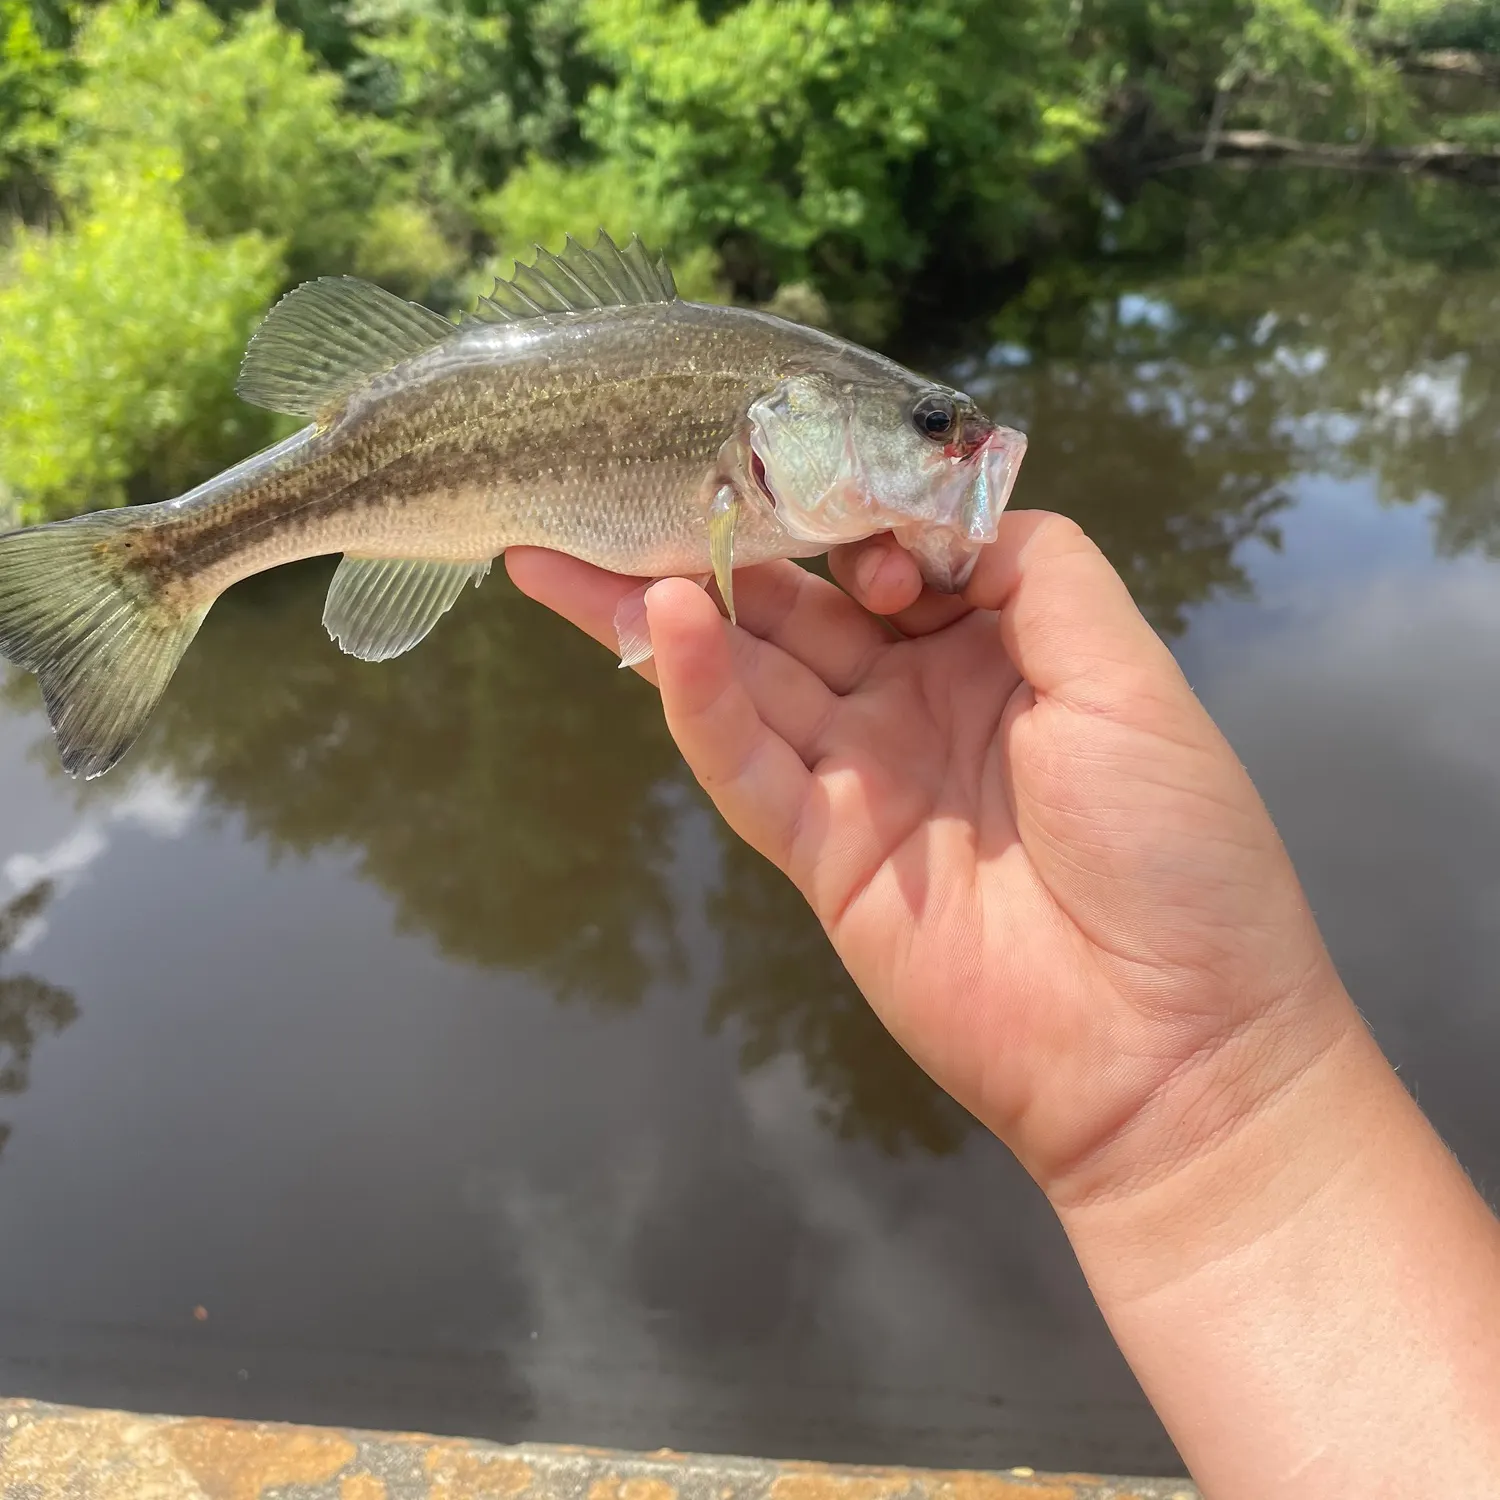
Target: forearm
1313,1304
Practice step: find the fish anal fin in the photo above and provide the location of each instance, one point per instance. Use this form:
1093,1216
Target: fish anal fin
327,338
379,607
581,279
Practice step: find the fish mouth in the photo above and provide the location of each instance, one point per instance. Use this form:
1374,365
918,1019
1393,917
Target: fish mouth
998,460
967,490
947,554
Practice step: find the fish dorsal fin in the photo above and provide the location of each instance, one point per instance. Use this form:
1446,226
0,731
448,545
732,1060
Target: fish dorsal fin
378,608
326,338
577,280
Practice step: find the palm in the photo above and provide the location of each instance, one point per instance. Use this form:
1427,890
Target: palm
1015,870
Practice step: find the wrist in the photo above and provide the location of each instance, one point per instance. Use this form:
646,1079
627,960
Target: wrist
1235,1140
1312,1290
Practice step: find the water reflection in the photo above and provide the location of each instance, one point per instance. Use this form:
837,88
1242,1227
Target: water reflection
519,800
1169,473
521,805
416,1192
1303,325
783,990
29,1007
500,784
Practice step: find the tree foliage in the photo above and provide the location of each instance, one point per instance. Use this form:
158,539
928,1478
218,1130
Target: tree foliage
485,82
120,342
829,133
254,125
1436,25
31,79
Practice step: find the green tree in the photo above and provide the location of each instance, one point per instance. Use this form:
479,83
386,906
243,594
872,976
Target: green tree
184,210
119,341
32,74
806,137
486,81
1434,25
255,122
1301,67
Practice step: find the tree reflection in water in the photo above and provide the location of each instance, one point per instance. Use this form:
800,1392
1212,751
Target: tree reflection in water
519,800
29,1007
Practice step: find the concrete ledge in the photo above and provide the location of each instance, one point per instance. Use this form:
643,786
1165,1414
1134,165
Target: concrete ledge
70,1453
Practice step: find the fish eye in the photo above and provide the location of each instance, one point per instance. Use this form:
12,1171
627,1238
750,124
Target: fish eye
933,416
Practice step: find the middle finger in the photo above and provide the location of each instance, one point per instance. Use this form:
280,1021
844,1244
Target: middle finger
884,577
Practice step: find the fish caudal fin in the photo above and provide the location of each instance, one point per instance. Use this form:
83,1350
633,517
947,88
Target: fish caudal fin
103,640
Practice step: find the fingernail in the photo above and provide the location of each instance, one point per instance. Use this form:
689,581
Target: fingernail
867,568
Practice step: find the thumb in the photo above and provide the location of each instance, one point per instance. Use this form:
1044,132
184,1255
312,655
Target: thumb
1067,621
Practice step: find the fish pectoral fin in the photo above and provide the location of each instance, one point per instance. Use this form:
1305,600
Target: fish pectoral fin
632,629
722,515
379,607
327,338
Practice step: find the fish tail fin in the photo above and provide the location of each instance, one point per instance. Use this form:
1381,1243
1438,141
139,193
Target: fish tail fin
81,607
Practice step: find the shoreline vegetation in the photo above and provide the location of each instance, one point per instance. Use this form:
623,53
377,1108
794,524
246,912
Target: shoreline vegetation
897,173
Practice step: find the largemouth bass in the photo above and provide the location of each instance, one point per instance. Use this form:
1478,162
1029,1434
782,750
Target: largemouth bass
583,406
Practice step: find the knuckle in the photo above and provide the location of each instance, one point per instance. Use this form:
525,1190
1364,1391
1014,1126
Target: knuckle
1063,536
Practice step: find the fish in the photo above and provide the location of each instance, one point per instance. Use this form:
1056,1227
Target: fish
583,405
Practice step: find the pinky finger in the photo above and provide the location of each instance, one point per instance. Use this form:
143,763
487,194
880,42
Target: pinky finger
757,781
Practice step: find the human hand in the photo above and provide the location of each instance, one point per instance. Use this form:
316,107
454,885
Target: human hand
1052,879
1031,847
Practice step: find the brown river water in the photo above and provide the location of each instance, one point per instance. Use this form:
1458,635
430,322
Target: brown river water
409,1046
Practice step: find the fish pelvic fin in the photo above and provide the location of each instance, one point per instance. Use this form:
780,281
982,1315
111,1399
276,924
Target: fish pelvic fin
327,338
578,280
80,610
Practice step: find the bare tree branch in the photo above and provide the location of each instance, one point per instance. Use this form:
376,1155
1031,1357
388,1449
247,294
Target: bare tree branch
1440,158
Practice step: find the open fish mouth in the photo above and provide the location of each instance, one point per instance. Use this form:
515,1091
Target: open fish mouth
998,463
946,552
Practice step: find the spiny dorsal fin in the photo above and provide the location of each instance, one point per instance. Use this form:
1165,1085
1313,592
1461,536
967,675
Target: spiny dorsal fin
326,338
577,280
